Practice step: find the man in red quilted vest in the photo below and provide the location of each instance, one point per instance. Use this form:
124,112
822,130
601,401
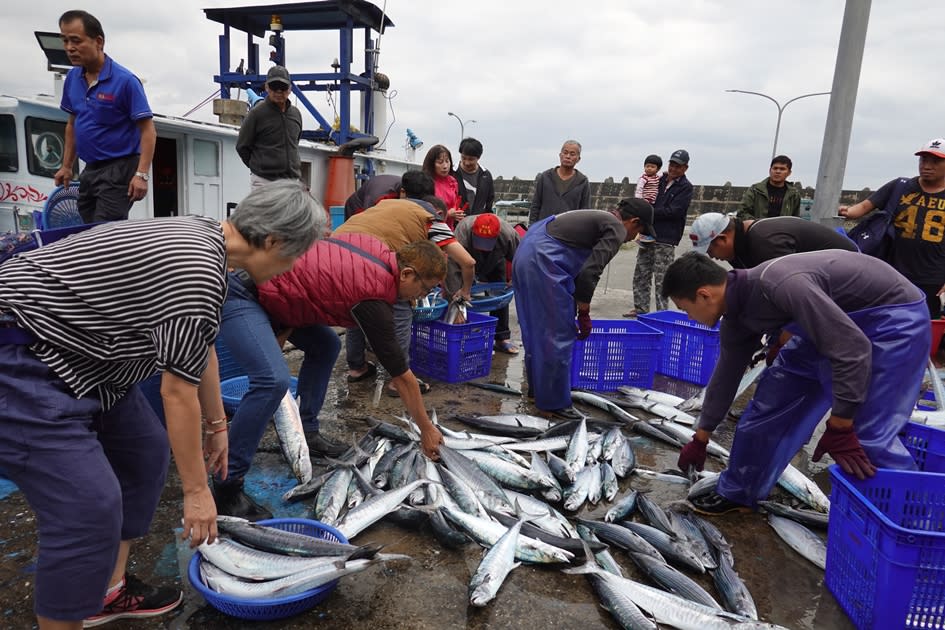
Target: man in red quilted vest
349,280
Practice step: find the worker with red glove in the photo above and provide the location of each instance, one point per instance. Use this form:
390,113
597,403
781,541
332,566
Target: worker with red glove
555,271
860,346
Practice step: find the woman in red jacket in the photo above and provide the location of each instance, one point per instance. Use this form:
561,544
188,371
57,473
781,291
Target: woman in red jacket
438,164
350,280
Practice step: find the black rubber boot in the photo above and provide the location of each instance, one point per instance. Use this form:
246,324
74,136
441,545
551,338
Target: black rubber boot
318,444
232,501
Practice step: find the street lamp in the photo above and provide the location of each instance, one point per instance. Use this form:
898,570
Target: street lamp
462,127
777,127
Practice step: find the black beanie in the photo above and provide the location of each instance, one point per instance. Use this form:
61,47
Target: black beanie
654,159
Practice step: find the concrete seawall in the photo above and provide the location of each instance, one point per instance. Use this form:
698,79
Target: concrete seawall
706,198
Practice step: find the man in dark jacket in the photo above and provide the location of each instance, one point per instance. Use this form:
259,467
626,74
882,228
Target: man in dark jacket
269,137
561,188
655,255
745,244
774,196
860,346
476,188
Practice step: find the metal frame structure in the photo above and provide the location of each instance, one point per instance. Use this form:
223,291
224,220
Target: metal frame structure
345,16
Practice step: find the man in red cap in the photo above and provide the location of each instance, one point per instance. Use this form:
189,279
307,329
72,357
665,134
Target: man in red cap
491,242
918,210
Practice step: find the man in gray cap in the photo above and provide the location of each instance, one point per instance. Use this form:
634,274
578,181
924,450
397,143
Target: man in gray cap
654,256
269,138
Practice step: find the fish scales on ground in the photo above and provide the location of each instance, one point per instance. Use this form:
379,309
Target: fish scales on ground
805,542
288,424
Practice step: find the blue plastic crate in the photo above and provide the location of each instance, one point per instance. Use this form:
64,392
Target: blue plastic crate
453,352
886,548
689,349
617,352
279,607
233,390
927,445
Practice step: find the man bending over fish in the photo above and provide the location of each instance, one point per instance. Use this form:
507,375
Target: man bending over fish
861,339
348,280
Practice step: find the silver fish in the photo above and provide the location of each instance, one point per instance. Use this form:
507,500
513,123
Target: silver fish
733,590
292,584
284,542
610,442
333,496
487,533
651,395
654,515
672,549
487,491
624,460
602,403
307,489
459,491
622,508
577,448
375,508
797,483
507,474
559,468
609,484
596,488
494,567
603,557
609,587
622,537
688,531
252,564
288,424
557,443
714,537
800,539
808,518
674,581
543,515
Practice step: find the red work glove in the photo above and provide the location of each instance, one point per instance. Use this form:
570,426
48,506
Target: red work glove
584,324
844,447
692,454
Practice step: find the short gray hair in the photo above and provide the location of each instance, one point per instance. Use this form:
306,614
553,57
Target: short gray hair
574,142
284,210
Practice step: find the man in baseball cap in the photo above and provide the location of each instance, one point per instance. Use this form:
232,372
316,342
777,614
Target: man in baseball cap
918,249
706,228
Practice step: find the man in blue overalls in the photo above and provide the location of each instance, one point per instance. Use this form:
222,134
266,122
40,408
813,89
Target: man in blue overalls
555,272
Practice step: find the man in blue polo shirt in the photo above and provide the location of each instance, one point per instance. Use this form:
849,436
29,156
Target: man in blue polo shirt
110,124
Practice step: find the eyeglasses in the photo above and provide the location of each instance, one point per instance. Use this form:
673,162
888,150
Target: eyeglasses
278,87
423,285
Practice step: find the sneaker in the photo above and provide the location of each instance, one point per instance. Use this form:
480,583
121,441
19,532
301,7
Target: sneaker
136,600
318,444
714,504
232,501
566,413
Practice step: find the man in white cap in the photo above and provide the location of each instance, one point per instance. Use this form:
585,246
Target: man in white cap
269,137
745,244
918,209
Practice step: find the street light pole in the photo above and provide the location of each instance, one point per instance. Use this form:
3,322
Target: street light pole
777,127
462,127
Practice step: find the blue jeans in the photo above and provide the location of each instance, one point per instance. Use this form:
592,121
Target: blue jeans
356,344
248,335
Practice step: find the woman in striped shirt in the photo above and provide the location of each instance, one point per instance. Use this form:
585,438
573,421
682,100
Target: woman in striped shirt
89,317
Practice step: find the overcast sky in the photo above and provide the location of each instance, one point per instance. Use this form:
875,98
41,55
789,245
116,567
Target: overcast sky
625,78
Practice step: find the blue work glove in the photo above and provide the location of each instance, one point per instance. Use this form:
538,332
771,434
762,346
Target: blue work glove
584,324
692,454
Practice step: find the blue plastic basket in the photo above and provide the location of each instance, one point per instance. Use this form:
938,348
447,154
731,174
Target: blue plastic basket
927,445
617,352
430,313
886,548
689,349
233,390
492,296
279,607
453,352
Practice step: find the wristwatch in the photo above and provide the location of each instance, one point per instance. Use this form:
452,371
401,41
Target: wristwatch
142,175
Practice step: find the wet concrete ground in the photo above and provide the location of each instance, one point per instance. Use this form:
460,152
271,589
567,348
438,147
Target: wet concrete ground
431,591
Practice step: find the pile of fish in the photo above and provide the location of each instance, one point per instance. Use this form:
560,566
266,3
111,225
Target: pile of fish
508,486
256,562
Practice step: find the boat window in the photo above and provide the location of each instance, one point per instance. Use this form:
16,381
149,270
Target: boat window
45,145
8,160
206,158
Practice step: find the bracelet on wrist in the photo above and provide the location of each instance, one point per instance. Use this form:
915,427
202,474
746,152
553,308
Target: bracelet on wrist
221,430
212,423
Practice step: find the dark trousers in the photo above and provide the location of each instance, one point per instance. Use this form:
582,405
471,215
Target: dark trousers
103,189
